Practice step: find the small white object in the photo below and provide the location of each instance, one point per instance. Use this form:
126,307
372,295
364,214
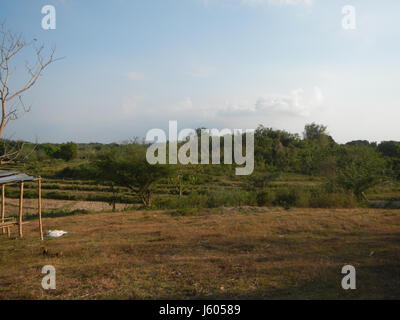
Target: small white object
56,233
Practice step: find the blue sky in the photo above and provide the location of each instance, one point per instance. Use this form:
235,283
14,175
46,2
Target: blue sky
131,66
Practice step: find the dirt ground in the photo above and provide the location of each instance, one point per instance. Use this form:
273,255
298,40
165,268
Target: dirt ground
258,253
30,206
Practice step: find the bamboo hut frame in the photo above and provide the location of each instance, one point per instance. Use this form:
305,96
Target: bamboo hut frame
24,178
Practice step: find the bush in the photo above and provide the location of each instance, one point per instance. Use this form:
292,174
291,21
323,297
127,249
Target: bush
213,199
285,198
68,151
165,203
265,198
292,197
186,212
228,198
49,149
333,200
60,195
81,172
315,197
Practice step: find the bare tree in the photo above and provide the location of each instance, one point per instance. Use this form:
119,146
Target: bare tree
12,106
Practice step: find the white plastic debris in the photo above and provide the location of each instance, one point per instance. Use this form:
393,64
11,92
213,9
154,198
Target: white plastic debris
56,233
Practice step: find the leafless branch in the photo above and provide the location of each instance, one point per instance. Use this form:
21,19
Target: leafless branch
12,106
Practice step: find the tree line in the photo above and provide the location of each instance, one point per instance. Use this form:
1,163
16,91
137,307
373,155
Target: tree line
352,168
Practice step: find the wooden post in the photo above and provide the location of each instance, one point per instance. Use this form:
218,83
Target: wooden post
40,207
21,199
2,205
8,232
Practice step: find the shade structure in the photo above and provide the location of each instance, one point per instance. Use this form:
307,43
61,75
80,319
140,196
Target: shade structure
14,177
7,173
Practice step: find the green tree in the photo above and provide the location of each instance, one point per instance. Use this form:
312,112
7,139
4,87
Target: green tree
51,150
276,148
68,151
317,134
390,148
314,131
359,168
127,166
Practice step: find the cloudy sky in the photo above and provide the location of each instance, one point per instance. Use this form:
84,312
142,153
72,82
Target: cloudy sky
132,65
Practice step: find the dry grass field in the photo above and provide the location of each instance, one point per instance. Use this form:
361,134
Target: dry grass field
244,253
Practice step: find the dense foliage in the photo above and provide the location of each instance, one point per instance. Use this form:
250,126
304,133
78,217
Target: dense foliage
345,172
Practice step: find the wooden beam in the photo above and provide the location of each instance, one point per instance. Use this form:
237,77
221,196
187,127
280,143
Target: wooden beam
3,187
10,218
40,207
21,200
11,223
10,183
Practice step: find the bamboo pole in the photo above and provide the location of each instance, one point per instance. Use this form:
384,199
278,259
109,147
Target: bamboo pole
2,205
40,207
21,199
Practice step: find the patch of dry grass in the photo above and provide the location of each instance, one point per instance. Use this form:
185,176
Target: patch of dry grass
31,205
241,253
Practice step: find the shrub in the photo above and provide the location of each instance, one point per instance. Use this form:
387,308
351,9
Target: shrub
49,149
67,151
285,198
60,195
228,198
265,198
186,212
212,199
165,203
333,200
83,171
293,197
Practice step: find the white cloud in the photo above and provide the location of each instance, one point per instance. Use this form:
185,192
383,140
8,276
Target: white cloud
184,105
299,102
283,110
318,95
